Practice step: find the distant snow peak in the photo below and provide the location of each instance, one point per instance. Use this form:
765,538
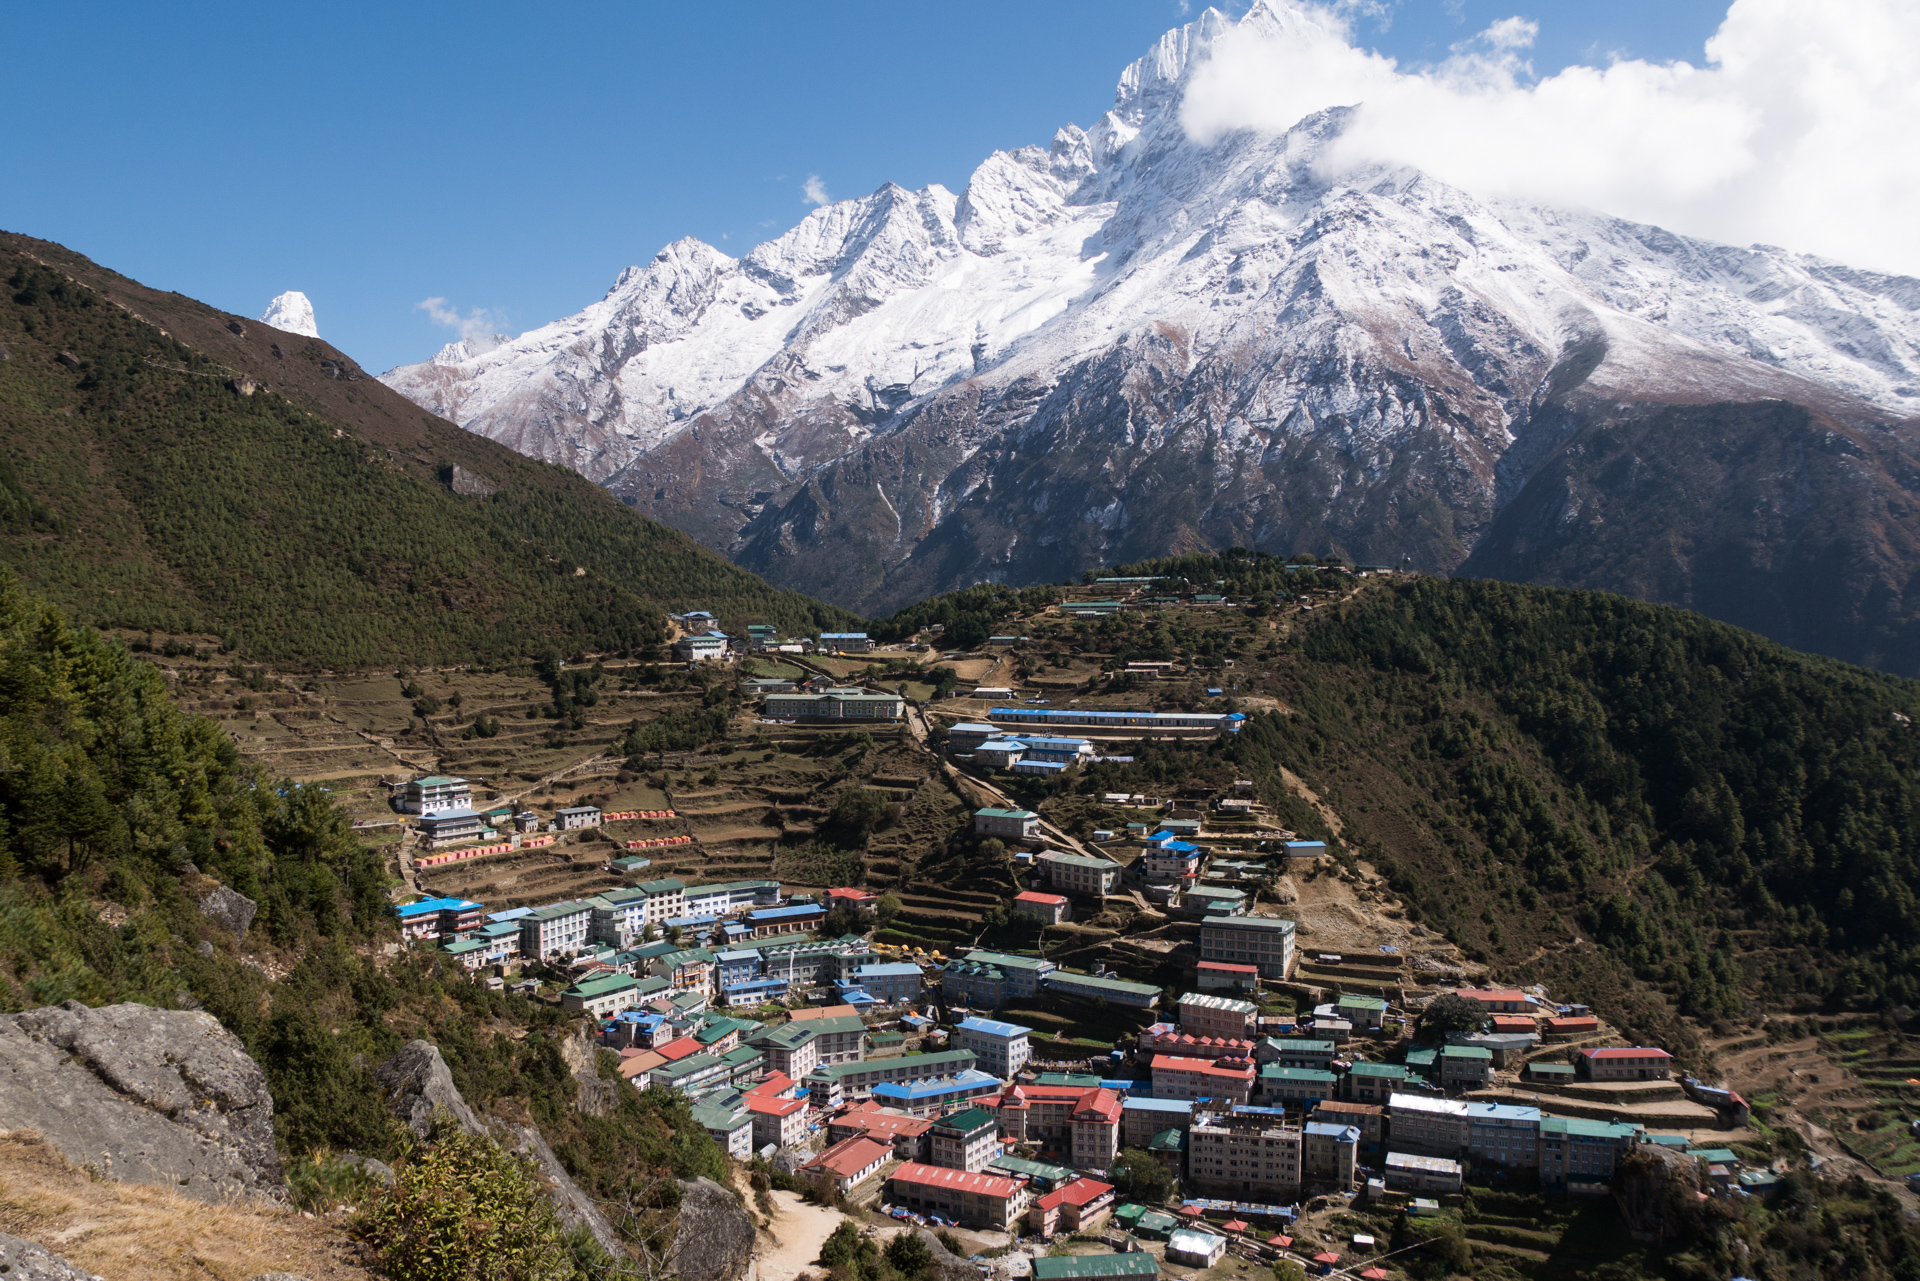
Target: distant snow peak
459,353
293,313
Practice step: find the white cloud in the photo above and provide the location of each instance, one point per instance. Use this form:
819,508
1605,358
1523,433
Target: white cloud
1801,128
478,323
814,192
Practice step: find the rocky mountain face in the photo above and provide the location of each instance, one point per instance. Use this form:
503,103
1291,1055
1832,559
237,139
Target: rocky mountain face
1128,343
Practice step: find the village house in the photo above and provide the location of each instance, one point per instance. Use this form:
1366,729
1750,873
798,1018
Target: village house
1296,1086
967,1140
1079,874
1013,825
1365,1012
845,642
971,1200
1183,1078
1329,1153
1373,1082
575,817
433,794
1504,1134
1215,976
1078,1207
850,1163
998,1048
702,647
1246,1152
1420,1123
1466,1067
1368,1118
1499,1000
1204,1015
1576,1151
1407,1172
1262,941
1641,1063
781,1122
836,1083
1141,1118
561,929
438,918
1049,909
1097,987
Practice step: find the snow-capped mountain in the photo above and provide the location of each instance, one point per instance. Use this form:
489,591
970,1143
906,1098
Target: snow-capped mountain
292,312
1127,344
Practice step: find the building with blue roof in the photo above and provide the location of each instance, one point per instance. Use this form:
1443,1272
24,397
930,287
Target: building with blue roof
892,982
1142,1117
934,1097
999,1048
1504,1133
785,920
442,918
1137,723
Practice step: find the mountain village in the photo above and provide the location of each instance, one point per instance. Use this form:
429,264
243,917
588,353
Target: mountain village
1277,1084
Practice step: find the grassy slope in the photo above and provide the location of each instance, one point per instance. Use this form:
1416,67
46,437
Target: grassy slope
312,521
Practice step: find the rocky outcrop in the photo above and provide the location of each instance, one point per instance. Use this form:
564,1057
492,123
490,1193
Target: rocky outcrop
22,1260
226,907
165,1097
945,1265
416,1084
1659,1193
715,1236
470,484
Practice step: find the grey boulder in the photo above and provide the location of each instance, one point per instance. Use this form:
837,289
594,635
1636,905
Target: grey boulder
164,1097
22,1260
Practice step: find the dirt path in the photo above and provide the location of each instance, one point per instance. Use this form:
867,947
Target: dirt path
789,1245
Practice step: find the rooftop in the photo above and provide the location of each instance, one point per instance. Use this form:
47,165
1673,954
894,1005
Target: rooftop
992,1027
936,1176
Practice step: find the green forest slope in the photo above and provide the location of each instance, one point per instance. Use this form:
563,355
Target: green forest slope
315,520
1728,820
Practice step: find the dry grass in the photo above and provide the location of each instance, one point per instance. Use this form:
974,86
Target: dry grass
130,1232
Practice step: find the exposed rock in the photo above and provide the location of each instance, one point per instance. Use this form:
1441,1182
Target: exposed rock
594,1095
165,1097
237,329
22,1260
205,949
416,1083
1659,1194
471,485
379,1170
68,359
715,1237
278,1276
245,386
229,908
4,355
946,1265
575,1207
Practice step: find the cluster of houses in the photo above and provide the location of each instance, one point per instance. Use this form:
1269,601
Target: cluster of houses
703,641
443,813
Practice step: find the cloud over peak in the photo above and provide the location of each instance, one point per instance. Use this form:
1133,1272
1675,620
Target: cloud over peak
1801,128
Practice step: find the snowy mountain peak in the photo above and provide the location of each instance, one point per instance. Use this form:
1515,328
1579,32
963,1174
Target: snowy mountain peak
1127,341
471,348
293,313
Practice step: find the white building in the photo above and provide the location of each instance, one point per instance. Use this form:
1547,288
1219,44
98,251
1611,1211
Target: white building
561,929
433,794
1079,873
999,1048
1016,825
1202,1014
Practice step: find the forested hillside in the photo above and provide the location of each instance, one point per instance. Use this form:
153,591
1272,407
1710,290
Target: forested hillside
165,467
1731,821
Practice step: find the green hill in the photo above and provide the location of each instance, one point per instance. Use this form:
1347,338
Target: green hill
168,467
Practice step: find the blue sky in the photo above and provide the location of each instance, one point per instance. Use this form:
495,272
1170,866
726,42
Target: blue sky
514,158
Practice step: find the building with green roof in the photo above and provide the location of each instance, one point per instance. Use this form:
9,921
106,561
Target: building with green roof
1096,1267
1140,996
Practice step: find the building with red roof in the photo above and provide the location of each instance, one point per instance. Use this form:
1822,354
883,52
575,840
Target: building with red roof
1499,1000
851,1162
1214,976
1518,1024
674,1051
1177,1077
1624,1063
1078,1206
907,1135
776,1120
972,1200
1035,906
1165,1038
1572,1026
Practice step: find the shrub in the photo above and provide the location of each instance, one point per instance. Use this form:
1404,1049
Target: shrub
463,1210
